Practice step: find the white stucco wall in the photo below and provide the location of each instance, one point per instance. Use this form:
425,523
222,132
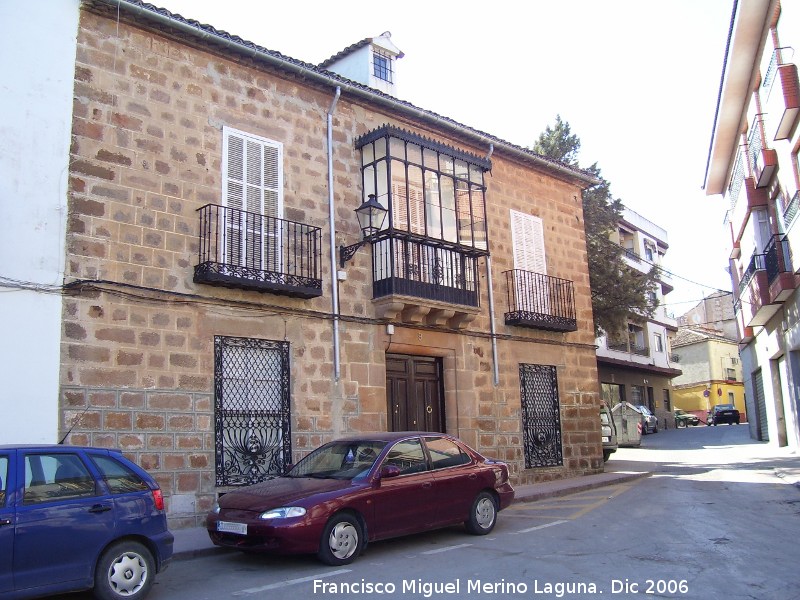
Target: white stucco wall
36,89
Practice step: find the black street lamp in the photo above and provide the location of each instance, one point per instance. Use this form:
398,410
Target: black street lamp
371,215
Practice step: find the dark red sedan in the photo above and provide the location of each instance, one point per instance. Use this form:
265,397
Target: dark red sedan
361,489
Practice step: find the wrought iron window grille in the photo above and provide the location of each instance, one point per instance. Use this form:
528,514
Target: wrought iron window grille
251,410
541,416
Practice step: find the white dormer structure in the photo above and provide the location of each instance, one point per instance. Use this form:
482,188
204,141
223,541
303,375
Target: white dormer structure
371,62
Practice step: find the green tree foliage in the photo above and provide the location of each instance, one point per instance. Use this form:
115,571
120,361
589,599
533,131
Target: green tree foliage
618,292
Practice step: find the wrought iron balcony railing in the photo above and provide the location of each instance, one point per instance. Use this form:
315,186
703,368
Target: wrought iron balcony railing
737,179
632,254
629,346
791,209
540,301
777,259
619,346
424,268
756,264
248,250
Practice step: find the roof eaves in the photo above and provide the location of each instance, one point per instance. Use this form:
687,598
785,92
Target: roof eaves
347,51
215,37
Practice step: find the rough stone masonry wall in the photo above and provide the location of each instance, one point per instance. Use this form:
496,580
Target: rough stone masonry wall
137,359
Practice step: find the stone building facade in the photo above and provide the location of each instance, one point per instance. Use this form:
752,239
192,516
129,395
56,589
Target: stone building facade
209,327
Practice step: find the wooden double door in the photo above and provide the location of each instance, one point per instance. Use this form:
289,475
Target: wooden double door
415,393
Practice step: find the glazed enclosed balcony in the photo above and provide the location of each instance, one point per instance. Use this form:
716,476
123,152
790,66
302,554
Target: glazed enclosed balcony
425,255
778,264
246,250
540,302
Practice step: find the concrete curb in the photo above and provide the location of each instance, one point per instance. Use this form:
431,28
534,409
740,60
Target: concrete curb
554,489
789,475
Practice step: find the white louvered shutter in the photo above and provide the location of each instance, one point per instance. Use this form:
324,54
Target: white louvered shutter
527,238
252,190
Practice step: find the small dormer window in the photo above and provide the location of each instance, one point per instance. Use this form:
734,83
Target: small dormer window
382,65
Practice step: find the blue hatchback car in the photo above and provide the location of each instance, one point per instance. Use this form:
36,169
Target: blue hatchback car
76,518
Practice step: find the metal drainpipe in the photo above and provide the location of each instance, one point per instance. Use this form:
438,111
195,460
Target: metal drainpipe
495,372
489,283
334,253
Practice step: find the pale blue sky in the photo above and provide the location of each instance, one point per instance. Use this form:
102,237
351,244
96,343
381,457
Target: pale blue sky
637,80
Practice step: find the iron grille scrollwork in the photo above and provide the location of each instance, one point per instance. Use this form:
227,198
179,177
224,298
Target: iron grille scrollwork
541,416
251,410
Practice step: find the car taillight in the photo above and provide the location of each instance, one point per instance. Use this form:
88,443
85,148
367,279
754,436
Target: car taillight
158,498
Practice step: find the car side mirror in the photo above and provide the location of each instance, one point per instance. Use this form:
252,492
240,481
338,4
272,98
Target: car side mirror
389,471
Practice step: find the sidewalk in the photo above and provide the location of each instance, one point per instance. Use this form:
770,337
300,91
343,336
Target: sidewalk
194,542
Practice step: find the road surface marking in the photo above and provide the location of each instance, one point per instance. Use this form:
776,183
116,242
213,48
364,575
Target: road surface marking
447,549
529,529
289,582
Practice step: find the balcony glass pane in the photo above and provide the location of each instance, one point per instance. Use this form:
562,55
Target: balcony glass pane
367,153
380,148
369,180
414,154
433,211
449,230
397,148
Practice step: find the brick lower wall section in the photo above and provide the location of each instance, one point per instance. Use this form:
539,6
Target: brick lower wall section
168,433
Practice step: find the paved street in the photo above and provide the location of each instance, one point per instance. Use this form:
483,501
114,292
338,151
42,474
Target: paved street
713,521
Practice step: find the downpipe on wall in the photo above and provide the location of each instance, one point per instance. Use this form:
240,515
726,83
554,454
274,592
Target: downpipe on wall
334,253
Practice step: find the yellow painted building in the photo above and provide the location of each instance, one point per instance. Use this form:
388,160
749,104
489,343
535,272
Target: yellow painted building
712,372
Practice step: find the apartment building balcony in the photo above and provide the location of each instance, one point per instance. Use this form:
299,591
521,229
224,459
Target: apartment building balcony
790,85
540,302
754,197
755,305
628,347
766,164
421,280
631,355
251,251
746,333
764,160
778,265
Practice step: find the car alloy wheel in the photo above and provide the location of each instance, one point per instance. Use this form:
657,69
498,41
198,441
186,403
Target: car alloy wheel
483,515
125,570
341,540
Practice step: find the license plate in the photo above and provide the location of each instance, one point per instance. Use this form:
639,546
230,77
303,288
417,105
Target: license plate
606,439
228,527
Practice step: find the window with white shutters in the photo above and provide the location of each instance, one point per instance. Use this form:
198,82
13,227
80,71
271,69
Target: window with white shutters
252,188
527,237
527,240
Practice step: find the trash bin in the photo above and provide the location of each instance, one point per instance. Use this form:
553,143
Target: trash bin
629,424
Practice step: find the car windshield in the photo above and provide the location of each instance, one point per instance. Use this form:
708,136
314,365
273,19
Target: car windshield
724,407
348,459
